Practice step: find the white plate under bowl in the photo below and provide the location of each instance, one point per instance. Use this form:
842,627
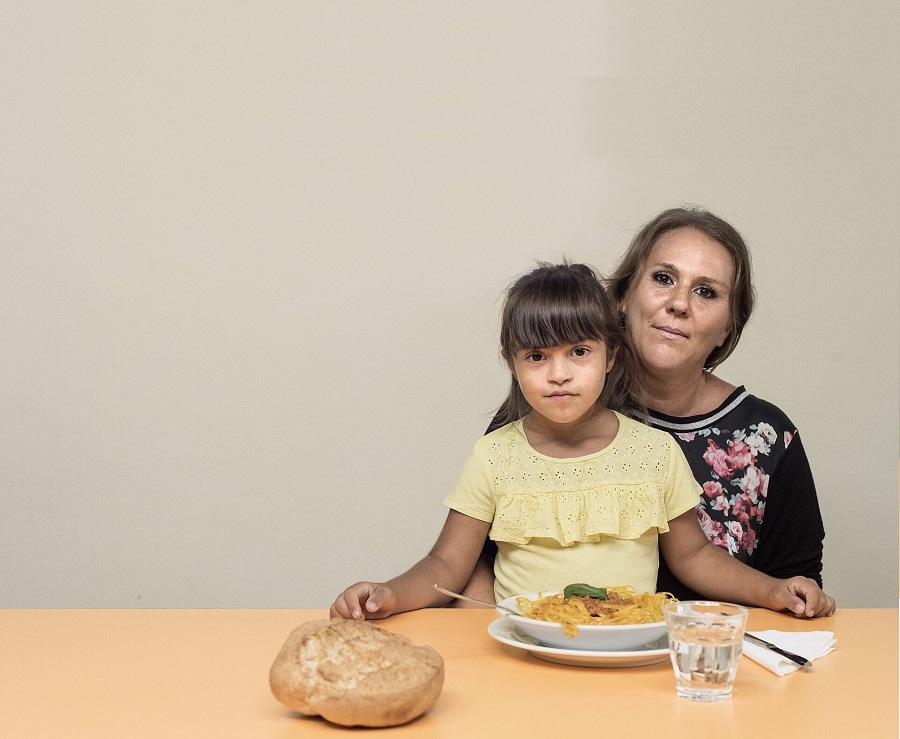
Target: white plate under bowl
593,638
505,632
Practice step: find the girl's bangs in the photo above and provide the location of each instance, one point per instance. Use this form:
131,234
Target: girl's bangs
536,326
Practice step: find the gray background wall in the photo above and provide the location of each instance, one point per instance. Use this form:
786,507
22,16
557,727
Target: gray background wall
253,253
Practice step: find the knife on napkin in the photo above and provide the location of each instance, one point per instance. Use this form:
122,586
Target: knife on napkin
753,639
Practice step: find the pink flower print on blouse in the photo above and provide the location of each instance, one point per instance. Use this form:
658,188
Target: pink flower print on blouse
713,489
735,534
741,454
716,494
739,461
720,504
714,530
724,463
716,458
748,539
761,442
767,432
744,508
755,483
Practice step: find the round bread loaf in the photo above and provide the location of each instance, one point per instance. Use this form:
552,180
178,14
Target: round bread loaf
355,674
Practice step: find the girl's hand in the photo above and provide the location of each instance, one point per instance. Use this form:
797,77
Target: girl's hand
365,600
802,597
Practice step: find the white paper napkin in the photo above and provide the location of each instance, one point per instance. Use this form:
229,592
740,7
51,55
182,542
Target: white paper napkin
809,644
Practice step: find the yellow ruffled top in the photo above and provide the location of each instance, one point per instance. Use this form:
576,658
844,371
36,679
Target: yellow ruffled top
640,481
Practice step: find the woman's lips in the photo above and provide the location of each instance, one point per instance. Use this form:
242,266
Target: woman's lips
671,331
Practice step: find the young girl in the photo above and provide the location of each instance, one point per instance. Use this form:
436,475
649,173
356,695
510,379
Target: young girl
572,489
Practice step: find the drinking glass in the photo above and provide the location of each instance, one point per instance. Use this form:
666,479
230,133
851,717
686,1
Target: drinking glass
705,646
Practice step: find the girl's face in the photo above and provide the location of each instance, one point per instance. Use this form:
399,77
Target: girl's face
678,308
562,383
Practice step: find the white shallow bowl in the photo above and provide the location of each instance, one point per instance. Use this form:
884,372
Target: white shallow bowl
593,638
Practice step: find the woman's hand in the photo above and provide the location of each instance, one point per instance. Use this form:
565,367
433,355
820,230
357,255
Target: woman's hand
802,597
365,600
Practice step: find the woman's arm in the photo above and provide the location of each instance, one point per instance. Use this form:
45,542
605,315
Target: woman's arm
704,567
449,564
790,541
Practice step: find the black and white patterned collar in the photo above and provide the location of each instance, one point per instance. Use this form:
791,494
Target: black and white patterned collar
694,423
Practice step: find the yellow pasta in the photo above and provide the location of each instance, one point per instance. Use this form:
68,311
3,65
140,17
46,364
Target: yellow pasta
622,606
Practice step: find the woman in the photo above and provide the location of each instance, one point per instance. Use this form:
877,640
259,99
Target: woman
684,288
685,294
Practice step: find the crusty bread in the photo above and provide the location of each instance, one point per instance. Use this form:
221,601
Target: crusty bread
355,674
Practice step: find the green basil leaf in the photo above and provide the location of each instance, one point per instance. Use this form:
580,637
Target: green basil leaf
580,588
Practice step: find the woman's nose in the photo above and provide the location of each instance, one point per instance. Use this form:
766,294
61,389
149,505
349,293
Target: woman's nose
679,300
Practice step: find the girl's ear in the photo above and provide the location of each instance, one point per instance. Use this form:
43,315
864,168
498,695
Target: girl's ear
611,360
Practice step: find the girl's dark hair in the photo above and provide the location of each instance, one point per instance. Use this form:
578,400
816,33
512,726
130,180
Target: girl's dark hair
742,293
563,304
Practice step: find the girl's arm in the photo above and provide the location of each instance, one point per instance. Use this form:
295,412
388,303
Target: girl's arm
710,570
481,584
449,564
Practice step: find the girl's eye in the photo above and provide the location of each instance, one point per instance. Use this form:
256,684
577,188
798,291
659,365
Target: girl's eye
580,351
534,357
663,278
706,292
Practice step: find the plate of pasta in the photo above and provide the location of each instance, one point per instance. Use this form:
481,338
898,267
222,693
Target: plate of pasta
584,617
505,632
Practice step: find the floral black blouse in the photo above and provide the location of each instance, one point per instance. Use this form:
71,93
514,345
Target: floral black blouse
759,500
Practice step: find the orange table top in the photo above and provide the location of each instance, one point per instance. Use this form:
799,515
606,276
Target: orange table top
204,673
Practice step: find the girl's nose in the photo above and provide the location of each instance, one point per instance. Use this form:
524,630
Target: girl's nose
559,370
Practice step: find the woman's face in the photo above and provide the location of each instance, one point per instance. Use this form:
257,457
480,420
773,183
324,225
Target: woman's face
678,308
